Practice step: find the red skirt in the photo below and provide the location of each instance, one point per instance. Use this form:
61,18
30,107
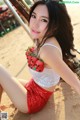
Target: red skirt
37,97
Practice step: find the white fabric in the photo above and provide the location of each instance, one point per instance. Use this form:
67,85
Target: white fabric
48,77
49,44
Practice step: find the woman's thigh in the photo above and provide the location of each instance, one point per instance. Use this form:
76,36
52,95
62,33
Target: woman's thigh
14,89
22,81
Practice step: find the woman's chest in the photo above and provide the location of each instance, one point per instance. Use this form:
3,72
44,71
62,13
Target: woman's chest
34,61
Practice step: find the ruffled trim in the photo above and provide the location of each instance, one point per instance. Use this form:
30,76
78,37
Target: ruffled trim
34,62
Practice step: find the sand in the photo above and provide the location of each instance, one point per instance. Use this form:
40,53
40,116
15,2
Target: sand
65,103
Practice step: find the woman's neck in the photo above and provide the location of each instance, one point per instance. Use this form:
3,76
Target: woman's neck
36,42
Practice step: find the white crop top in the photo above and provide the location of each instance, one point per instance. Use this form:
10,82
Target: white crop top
48,77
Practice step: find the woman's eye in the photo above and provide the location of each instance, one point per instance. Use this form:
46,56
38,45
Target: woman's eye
33,16
44,20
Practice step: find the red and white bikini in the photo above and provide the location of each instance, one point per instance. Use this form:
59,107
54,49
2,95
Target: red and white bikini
42,78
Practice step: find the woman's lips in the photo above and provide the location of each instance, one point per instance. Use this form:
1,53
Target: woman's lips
36,32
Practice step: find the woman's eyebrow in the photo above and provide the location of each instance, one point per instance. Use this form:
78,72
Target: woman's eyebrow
45,17
33,12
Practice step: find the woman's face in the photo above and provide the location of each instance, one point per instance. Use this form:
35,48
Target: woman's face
39,22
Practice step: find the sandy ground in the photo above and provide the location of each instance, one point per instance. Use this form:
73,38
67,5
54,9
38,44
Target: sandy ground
65,103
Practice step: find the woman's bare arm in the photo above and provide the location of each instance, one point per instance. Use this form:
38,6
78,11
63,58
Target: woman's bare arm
51,56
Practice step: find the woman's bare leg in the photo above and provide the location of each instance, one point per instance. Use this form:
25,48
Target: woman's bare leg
14,89
23,82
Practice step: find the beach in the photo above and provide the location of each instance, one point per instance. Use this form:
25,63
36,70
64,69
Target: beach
65,103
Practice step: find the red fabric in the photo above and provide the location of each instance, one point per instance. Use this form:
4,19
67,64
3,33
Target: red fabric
37,97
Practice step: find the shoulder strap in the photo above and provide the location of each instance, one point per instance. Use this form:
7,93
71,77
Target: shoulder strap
52,46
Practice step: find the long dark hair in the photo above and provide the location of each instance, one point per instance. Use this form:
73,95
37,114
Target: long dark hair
59,25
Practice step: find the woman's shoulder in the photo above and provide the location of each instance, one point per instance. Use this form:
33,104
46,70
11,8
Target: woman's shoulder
51,45
50,49
53,41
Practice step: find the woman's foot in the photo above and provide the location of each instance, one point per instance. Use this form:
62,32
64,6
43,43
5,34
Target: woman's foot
3,107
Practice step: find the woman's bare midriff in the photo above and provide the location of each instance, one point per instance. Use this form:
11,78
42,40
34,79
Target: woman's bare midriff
51,89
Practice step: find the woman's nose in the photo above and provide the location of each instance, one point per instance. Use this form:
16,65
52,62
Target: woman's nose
36,24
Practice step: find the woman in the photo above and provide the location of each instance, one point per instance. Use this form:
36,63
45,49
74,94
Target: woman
51,31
